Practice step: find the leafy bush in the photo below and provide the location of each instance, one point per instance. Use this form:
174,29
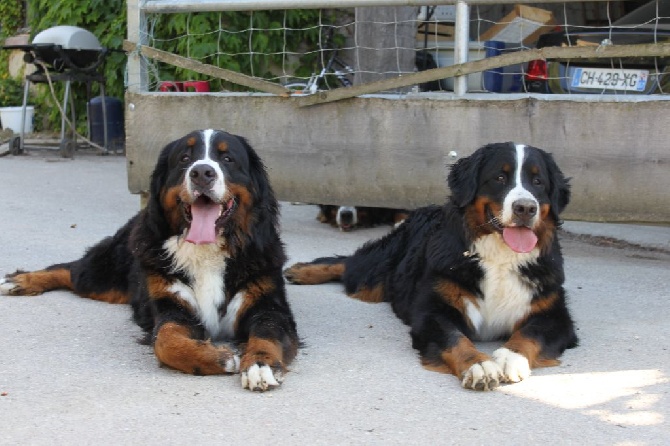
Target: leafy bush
106,19
11,91
239,45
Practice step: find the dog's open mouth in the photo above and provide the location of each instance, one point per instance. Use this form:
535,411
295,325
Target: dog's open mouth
204,215
520,239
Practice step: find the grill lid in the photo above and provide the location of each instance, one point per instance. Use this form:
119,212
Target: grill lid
69,38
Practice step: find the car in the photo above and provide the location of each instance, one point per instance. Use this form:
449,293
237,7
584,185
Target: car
641,75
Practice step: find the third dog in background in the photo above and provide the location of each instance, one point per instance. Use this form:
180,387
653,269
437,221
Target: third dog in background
348,217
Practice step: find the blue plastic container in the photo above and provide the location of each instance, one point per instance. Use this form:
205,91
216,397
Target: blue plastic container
115,123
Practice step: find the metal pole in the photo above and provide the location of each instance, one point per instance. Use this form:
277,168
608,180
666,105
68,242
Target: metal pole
22,132
65,105
137,78
461,45
170,6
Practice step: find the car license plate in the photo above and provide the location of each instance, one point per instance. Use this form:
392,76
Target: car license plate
610,79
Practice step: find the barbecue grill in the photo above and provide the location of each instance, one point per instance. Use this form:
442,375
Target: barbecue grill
64,54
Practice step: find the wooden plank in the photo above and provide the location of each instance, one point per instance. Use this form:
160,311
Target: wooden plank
524,24
512,58
206,69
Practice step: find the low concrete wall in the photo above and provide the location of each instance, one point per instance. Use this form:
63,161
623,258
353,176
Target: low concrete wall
387,152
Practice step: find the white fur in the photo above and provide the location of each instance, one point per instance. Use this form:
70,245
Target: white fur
233,364
219,187
485,375
228,321
352,209
205,267
6,286
515,366
506,295
518,192
259,378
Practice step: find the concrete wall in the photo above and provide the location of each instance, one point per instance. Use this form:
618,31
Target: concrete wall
386,152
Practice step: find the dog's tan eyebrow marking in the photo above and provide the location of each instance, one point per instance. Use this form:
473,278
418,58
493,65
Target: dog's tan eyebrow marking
222,147
506,168
191,141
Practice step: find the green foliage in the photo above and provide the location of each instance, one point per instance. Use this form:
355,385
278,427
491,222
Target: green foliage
11,91
246,42
12,17
250,43
106,19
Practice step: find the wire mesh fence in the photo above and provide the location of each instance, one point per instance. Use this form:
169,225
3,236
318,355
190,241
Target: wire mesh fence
305,51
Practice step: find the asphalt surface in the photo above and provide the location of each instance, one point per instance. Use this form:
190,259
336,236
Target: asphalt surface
72,372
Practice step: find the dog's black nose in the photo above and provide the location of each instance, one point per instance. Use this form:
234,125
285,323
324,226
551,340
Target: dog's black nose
524,209
202,175
346,217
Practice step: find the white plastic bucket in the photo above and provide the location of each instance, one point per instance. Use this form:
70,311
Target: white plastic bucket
11,118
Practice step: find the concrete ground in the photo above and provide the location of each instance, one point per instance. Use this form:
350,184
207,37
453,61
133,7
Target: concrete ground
71,371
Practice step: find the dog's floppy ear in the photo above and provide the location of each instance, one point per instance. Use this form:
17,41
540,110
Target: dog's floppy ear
158,179
559,192
267,206
463,179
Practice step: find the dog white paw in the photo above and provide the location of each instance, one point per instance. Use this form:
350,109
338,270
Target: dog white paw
485,375
260,377
6,286
515,366
232,365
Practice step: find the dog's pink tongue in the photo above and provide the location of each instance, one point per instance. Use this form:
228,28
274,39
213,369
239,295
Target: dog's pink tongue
203,223
520,239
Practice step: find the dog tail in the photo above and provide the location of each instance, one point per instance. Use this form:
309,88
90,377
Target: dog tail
321,270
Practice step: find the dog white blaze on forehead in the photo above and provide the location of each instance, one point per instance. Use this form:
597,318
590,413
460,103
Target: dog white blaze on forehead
518,191
219,186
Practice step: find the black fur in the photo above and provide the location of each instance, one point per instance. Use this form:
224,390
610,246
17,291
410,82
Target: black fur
429,271
134,266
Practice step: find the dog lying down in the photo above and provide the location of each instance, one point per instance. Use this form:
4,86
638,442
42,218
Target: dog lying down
347,218
485,266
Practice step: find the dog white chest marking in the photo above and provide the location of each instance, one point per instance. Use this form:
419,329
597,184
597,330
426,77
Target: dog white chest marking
205,267
506,297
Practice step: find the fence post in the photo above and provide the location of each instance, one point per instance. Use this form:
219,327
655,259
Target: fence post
461,44
137,79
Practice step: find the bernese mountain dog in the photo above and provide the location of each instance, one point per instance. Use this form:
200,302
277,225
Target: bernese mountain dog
201,264
486,265
346,218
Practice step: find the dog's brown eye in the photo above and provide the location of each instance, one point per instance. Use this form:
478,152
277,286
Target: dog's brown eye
537,181
227,159
185,159
502,178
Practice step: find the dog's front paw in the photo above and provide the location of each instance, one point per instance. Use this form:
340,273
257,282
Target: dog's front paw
261,377
10,285
515,366
7,286
231,364
485,375
293,273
